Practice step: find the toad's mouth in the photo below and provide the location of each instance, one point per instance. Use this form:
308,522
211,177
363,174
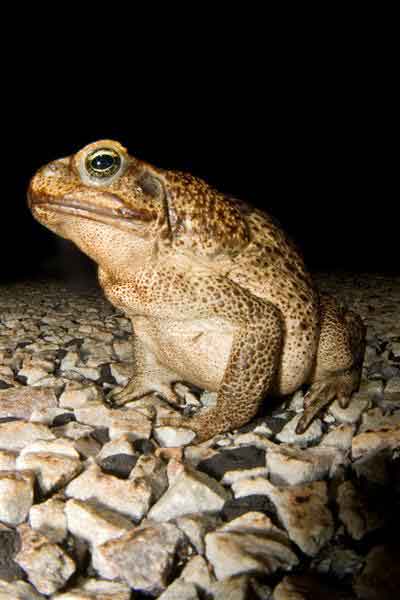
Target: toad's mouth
120,216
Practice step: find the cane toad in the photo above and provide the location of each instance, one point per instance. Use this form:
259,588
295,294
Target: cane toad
217,294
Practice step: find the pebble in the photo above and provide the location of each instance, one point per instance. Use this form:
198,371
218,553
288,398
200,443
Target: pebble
129,423
49,519
80,397
195,527
304,513
373,441
354,410
287,435
131,498
292,466
18,590
21,402
94,523
249,544
15,435
145,556
47,565
96,589
198,571
62,351
171,437
191,492
16,496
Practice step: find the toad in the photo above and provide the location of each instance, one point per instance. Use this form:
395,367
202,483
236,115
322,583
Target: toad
218,295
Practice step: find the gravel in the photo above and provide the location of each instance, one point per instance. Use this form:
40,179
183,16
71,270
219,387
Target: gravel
102,502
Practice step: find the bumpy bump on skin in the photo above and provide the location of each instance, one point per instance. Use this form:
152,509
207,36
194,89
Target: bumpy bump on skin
218,295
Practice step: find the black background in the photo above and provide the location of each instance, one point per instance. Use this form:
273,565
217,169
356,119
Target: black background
302,126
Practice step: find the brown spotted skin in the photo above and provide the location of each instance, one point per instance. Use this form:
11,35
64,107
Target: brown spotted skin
217,294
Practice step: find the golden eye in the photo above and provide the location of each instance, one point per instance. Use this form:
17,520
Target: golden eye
103,162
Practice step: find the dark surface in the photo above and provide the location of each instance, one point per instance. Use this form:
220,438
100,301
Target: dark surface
231,460
297,120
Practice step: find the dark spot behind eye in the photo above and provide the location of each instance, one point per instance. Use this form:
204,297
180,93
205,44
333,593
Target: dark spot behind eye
150,185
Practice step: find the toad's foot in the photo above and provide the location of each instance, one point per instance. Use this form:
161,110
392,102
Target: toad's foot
135,390
339,386
205,425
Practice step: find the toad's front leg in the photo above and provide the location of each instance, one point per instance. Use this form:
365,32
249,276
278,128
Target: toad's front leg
149,376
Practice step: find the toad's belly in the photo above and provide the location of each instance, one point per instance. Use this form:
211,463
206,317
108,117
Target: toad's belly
197,351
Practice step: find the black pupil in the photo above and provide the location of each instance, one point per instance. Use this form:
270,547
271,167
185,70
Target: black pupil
103,162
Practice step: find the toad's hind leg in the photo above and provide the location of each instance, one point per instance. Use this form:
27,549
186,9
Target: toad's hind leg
248,376
337,371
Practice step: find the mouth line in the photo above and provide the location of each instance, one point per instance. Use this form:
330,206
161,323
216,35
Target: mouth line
121,214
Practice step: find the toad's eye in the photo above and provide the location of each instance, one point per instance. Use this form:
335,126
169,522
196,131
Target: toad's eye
103,162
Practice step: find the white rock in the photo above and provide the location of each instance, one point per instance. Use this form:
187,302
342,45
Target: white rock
153,470
289,436
352,414
198,572
121,445
180,590
373,441
232,588
21,401
14,435
195,454
130,423
254,439
48,567
52,470
33,374
88,372
95,414
46,415
16,495
7,460
292,466
131,498
376,419
73,430
339,437
303,511
18,590
191,492
48,518
80,397
61,447
249,544
195,527
69,361
94,523
144,557
297,402
96,589
171,437
231,477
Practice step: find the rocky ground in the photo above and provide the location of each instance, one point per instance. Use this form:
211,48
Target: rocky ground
102,503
